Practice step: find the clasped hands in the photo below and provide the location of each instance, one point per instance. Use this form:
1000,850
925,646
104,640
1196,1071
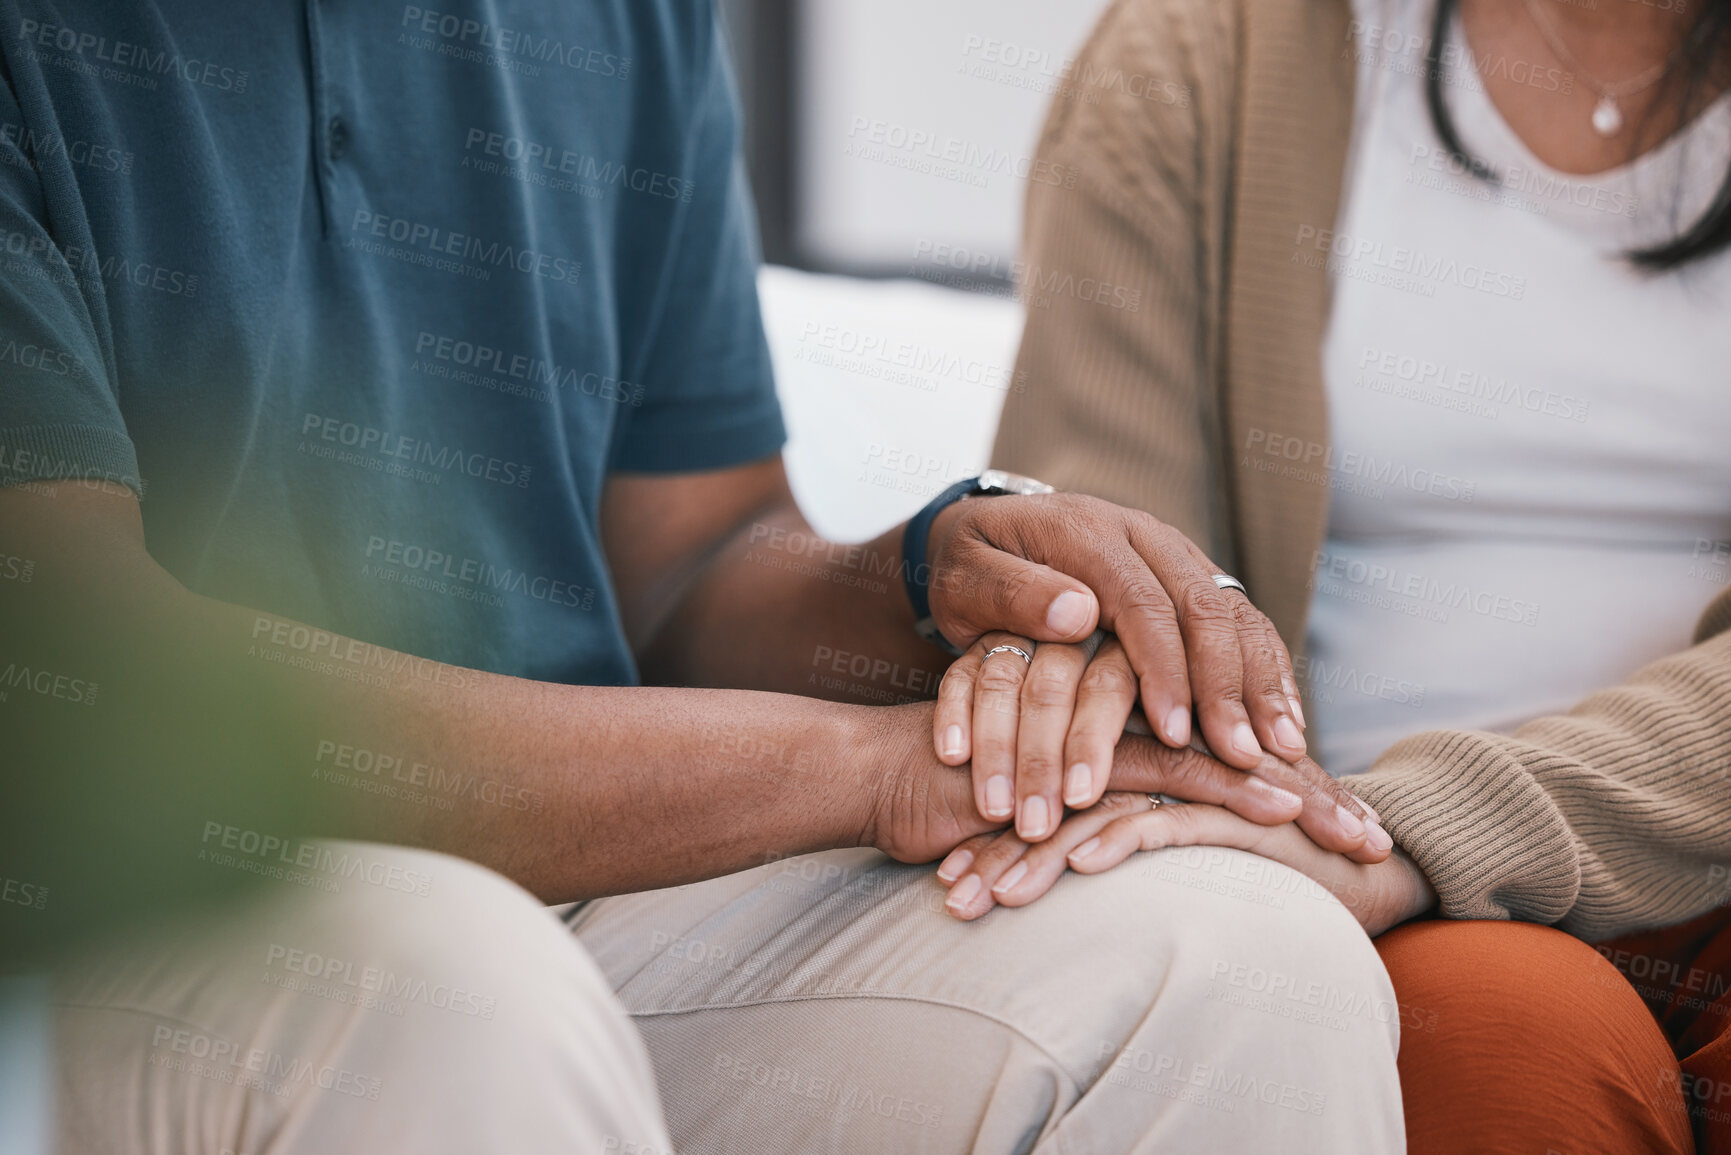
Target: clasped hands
1043,737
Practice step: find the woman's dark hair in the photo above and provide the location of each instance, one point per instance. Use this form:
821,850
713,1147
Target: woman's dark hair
1699,64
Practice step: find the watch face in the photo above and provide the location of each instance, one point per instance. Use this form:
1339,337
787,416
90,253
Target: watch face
999,481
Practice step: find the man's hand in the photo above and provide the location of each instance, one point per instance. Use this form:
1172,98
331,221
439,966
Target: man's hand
920,809
1055,567
994,869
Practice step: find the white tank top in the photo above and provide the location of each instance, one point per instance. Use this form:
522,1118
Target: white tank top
1531,441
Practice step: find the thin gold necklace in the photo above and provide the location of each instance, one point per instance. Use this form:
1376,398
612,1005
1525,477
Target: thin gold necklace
1607,114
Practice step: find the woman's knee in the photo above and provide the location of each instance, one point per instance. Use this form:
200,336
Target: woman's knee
1518,1037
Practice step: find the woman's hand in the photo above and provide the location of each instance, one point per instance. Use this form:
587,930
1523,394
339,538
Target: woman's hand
1041,735
1001,868
917,809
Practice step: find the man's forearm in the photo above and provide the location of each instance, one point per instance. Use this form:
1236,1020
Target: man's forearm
581,791
571,790
781,608
577,791
620,789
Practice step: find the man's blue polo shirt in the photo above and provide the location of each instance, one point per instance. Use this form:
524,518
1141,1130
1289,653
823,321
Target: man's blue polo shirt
366,299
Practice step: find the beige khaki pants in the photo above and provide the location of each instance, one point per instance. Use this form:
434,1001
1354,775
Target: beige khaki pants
425,1006
1190,1001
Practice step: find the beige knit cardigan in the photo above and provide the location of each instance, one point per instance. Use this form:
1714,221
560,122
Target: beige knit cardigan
1174,328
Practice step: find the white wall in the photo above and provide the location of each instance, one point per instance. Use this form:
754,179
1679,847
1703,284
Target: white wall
891,391
918,120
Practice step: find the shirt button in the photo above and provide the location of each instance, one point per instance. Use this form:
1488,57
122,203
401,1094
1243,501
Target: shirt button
336,138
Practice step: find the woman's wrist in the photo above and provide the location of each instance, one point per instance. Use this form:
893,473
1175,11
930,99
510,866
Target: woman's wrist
1410,892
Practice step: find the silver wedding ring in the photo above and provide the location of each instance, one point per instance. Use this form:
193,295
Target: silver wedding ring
1017,650
1226,581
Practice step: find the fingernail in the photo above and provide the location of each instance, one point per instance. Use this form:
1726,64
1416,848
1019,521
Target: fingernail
1297,707
1011,877
1368,808
1078,784
1376,836
963,893
952,867
1244,741
1350,822
1178,727
1068,613
1036,816
952,747
1084,852
1000,798
1287,734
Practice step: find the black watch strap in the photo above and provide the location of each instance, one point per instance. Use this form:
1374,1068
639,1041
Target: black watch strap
916,573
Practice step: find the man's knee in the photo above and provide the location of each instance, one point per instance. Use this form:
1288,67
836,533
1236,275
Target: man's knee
1225,944
1260,1007
472,987
463,942
1249,930
422,985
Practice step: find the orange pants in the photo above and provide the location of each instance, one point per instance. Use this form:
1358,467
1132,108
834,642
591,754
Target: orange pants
1519,1038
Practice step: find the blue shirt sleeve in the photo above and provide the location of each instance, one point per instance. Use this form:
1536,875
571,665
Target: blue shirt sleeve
60,415
709,390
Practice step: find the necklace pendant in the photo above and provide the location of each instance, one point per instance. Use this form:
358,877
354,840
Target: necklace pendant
1607,117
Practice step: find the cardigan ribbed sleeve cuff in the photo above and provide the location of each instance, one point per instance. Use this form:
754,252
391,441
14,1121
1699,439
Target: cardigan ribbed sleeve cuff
1480,826
1611,818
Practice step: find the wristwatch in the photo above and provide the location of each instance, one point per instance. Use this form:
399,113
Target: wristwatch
916,574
